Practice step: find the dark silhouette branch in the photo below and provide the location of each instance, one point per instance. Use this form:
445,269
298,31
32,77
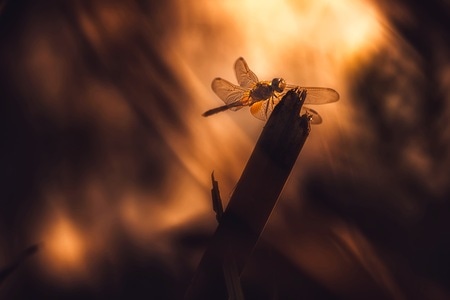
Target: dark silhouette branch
254,198
8,270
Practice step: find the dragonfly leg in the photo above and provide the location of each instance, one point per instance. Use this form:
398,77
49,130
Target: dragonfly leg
269,106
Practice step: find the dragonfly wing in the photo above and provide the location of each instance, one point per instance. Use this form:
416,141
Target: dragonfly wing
317,95
229,93
314,117
258,110
245,77
263,109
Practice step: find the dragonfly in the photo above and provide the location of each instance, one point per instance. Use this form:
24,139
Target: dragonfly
263,96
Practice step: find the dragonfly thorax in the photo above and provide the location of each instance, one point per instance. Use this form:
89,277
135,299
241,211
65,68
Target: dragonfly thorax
263,90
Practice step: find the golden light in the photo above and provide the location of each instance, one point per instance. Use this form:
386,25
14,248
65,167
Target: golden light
276,33
309,43
340,28
64,249
146,219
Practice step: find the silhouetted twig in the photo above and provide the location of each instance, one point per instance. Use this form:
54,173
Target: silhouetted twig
217,201
254,197
8,270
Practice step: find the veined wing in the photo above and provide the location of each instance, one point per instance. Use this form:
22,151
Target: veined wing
263,109
245,77
314,117
229,93
317,95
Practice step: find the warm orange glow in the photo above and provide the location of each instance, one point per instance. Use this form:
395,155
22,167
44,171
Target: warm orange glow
309,43
340,28
64,249
146,219
66,244
276,33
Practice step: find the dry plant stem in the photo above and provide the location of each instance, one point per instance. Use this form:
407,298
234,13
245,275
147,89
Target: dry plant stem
8,270
254,198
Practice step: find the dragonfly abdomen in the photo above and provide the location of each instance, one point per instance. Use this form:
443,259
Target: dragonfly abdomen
232,106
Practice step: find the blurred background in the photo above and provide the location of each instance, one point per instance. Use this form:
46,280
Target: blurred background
106,160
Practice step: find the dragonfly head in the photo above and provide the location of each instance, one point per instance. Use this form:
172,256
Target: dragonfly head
278,84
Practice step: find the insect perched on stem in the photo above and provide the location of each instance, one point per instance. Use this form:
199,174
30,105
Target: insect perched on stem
263,96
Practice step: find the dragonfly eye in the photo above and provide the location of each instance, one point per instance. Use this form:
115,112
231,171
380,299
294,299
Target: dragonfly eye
278,84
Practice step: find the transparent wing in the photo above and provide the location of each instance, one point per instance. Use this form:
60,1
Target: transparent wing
314,117
245,77
317,95
263,109
229,93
